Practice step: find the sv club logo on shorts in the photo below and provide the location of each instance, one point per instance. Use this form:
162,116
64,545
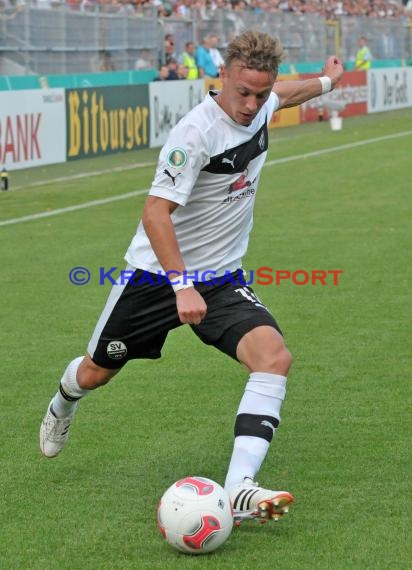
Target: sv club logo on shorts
116,350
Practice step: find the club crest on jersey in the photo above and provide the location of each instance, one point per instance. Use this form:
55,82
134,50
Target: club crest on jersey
116,349
177,158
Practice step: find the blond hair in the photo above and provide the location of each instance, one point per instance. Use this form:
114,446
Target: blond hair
255,50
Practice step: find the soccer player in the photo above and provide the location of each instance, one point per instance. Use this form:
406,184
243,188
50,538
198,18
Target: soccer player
196,224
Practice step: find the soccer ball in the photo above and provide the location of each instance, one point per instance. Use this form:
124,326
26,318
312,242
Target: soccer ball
195,515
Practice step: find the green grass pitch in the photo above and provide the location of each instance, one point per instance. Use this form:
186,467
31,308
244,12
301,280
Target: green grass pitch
342,445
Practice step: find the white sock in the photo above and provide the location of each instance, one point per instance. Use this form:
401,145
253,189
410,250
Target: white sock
264,394
66,398
247,457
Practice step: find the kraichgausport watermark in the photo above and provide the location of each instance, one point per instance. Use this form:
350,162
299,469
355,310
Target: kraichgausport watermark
261,276
79,275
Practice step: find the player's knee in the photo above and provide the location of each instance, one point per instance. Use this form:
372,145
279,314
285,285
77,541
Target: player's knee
91,376
276,361
284,359
264,350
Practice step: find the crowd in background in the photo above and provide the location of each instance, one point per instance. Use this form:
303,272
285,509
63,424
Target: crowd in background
205,60
329,9
194,62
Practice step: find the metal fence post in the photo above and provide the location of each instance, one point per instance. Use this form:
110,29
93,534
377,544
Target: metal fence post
335,25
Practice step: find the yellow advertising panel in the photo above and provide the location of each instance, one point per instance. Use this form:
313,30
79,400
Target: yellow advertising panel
286,117
283,118
212,84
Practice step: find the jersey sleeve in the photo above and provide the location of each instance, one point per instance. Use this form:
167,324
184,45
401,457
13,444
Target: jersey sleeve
181,159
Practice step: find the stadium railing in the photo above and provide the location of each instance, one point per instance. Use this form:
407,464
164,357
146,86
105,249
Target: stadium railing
62,41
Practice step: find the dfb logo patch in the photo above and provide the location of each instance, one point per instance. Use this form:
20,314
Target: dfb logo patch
116,350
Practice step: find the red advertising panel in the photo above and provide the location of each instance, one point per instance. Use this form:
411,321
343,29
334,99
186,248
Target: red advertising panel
32,128
349,98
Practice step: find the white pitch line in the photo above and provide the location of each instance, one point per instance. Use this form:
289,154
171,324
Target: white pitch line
72,208
337,148
140,192
84,175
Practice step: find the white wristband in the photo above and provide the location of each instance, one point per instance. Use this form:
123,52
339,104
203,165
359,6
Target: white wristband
183,283
326,83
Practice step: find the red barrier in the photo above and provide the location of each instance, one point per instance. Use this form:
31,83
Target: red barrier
351,91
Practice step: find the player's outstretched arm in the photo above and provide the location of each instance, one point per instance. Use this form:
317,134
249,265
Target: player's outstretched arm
292,93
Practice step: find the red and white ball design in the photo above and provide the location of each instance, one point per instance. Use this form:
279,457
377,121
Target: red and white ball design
195,515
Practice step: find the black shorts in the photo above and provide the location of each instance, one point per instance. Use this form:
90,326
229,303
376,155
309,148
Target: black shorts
139,314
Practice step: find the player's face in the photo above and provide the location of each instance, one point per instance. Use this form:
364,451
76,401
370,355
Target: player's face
244,92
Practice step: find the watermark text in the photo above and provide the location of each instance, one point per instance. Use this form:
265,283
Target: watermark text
260,276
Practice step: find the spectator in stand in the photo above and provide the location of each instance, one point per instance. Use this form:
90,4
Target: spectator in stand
187,58
164,9
182,8
127,7
182,71
106,62
169,47
163,73
172,67
363,56
214,51
144,61
168,71
204,60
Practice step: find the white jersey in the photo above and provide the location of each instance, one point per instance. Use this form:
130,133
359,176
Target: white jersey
210,166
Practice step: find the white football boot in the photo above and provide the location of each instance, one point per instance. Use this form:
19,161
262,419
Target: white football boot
54,432
249,501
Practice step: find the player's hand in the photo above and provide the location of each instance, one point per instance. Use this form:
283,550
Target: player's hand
191,306
333,69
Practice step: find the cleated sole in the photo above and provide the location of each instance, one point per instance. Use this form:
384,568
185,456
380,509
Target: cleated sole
269,509
275,508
